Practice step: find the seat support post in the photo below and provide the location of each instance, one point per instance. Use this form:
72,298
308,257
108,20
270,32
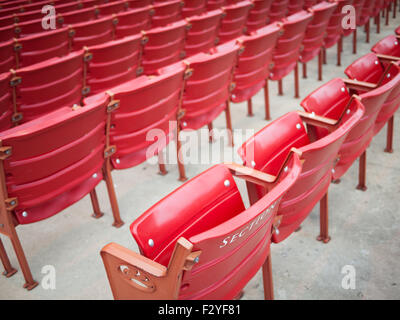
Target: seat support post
95,204
8,269
367,30
266,99
339,51
304,70
355,41
323,220
389,138
320,60
267,278
362,172
280,87
229,123
296,81
250,108
161,163
111,194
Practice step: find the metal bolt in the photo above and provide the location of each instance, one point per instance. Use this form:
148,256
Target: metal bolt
151,243
376,62
24,214
286,169
396,43
184,124
348,111
344,89
313,114
333,170
117,161
388,75
227,183
196,260
276,230
94,175
298,126
234,96
8,151
12,202
253,164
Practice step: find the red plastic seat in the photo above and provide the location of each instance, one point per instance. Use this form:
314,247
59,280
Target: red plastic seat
203,32
5,101
233,24
215,4
146,104
7,21
113,63
315,33
259,15
278,10
133,21
48,86
7,56
138,4
78,16
166,12
295,6
334,31
252,71
111,8
268,155
219,244
287,50
163,46
388,46
193,8
37,48
8,33
369,69
335,93
93,32
49,164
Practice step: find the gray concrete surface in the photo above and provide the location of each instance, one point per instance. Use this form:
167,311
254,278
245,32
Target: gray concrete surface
365,226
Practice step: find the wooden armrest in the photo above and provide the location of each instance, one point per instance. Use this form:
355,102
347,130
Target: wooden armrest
386,57
250,174
316,120
359,85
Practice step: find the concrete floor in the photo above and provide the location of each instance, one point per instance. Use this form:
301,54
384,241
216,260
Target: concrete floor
365,226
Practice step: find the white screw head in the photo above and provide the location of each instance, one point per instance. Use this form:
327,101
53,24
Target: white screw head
276,231
227,183
184,124
396,43
196,260
271,74
388,75
333,170
376,62
234,96
151,242
94,175
348,111
313,114
344,89
118,161
24,214
298,126
286,169
253,164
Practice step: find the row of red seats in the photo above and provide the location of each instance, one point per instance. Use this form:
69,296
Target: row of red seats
193,92
207,244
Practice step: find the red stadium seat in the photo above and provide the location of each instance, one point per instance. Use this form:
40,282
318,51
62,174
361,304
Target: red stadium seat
319,155
215,4
193,8
40,47
113,63
213,246
8,33
315,33
295,6
47,165
369,69
203,32
5,101
234,22
163,46
287,51
7,56
47,86
166,12
207,90
93,32
111,8
252,71
147,104
78,16
7,21
278,10
133,21
259,15
336,93
138,4
388,46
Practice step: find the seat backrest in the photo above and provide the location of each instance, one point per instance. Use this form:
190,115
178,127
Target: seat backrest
112,8
209,211
133,21
7,56
166,12
43,46
113,63
77,16
319,159
49,85
368,68
145,104
259,15
137,4
54,161
278,10
389,46
203,33
287,50
254,62
5,101
93,32
295,6
335,27
193,8
233,24
316,29
215,4
208,89
367,12
7,21
165,45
